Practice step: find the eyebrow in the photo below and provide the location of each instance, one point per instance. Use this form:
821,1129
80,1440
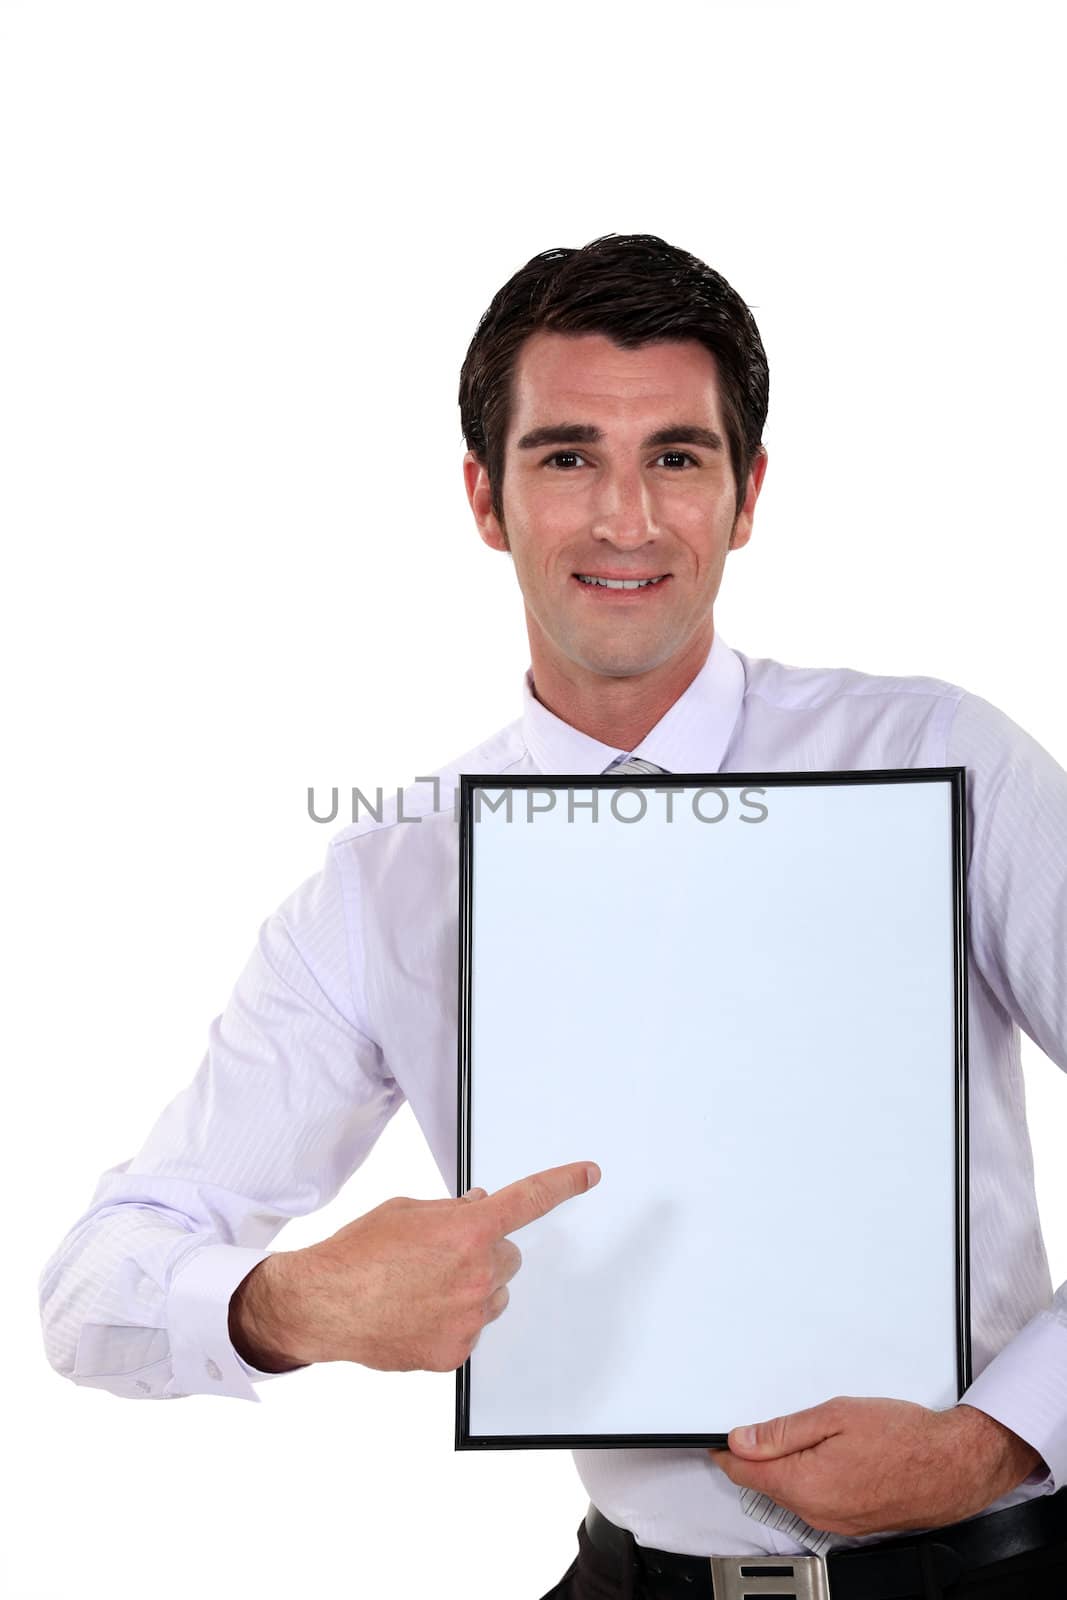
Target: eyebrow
587,433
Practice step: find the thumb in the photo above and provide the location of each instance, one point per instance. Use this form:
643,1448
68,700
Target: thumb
474,1194
783,1436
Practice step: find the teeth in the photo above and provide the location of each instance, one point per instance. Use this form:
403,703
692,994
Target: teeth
618,583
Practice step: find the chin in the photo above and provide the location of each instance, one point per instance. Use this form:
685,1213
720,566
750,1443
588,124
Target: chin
622,664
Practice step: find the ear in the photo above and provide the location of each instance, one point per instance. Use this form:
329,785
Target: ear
742,528
476,481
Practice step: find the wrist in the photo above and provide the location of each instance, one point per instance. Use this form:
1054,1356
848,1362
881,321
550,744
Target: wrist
1011,1458
258,1328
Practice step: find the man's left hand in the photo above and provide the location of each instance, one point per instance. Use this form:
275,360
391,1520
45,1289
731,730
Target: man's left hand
857,1466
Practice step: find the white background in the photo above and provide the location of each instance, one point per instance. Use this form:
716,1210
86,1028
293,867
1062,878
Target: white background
244,247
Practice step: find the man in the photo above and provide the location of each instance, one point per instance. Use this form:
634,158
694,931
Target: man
613,401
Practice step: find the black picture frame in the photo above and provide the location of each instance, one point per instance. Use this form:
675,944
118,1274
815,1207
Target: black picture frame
954,777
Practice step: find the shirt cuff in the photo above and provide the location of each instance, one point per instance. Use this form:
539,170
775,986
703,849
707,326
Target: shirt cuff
198,1322
1025,1388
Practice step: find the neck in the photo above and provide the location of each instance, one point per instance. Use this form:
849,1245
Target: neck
616,711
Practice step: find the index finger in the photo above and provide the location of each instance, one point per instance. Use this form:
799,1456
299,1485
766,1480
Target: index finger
529,1198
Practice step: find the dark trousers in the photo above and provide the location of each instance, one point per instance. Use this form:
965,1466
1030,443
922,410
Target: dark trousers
1037,1575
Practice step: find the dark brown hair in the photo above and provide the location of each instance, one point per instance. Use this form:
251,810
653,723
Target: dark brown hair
635,288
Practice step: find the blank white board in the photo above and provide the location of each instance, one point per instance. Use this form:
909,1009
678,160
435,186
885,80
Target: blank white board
743,996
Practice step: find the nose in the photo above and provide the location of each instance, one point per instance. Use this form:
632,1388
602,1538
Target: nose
623,512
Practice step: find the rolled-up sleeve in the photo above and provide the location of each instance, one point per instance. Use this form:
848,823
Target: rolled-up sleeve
290,1097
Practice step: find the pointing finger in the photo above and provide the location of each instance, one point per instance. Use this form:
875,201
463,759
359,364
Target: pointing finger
524,1201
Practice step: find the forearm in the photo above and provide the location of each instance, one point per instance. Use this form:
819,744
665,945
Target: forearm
134,1302
1012,1459
136,1298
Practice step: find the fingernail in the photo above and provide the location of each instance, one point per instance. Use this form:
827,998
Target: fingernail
592,1173
746,1438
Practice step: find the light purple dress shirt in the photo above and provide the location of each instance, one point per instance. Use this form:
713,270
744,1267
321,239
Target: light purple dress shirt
347,1007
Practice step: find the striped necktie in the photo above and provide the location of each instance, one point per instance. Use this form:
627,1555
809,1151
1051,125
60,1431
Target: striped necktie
760,1507
632,764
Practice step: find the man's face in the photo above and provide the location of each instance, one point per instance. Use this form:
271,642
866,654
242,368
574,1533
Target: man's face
616,466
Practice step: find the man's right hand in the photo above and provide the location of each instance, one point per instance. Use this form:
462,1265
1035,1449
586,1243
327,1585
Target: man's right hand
410,1285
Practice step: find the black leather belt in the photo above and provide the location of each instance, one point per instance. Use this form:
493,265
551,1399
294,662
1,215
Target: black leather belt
905,1565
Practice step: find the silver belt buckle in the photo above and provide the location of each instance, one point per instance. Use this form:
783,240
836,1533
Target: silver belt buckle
738,1577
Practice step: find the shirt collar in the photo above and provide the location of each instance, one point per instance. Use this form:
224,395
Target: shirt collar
691,736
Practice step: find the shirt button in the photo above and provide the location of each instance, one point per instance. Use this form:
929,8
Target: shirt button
213,1370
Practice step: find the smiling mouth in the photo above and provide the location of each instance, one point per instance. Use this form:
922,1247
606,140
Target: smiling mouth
593,582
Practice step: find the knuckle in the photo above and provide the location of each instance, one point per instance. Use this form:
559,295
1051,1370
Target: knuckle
498,1302
777,1430
482,1279
508,1259
468,1334
452,1356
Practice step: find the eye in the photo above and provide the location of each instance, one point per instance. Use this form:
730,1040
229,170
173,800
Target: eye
565,460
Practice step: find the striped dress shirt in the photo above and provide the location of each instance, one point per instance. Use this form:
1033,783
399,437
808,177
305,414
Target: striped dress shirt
347,1008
